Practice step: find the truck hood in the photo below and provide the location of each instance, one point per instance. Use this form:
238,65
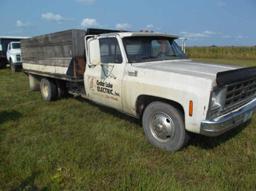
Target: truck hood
187,67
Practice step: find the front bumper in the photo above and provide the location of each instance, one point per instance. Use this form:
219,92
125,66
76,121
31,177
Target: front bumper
229,121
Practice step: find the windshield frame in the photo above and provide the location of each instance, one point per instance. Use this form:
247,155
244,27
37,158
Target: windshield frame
179,54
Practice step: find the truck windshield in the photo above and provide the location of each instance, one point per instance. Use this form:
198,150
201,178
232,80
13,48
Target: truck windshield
16,45
147,49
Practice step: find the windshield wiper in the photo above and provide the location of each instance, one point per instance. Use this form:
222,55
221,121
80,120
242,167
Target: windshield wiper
148,58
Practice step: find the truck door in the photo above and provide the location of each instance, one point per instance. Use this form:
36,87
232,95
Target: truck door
104,74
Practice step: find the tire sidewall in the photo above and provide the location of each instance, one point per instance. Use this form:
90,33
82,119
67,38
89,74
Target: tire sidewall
178,139
51,87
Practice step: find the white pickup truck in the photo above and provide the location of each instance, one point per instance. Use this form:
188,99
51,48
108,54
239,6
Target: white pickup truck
13,55
10,53
146,76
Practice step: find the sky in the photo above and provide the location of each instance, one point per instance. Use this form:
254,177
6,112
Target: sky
202,22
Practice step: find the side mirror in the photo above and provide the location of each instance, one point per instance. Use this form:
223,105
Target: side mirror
94,51
1,48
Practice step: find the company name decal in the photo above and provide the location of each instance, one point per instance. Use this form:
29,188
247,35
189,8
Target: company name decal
106,87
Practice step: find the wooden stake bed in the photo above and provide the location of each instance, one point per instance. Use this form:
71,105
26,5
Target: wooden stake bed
57,54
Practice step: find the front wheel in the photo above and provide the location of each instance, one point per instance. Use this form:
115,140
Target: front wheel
13,66
164,126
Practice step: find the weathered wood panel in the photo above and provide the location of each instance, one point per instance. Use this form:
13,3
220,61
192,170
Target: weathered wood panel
64,49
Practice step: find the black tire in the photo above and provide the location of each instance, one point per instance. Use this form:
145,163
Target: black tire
48,89
164,126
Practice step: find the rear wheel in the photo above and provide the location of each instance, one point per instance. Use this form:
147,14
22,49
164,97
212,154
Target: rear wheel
48,89
164,126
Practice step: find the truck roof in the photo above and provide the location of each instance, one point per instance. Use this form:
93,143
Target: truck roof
13,37
108,32
123,33
131,34
139,34
14,42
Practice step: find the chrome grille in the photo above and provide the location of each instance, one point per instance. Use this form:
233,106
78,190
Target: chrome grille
18,57
239,94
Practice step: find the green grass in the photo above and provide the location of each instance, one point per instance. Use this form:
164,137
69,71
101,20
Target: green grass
222,52
72,144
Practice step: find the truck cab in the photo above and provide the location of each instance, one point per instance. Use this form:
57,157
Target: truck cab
113,66
13,55
4,41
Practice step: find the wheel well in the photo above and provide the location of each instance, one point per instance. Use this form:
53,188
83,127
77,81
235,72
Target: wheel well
144,100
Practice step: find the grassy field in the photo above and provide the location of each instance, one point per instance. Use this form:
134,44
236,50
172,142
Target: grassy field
71,144
222,52
237,62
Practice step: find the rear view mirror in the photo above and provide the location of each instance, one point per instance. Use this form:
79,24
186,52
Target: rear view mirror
94,51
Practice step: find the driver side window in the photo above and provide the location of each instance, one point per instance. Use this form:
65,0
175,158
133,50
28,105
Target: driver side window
110,51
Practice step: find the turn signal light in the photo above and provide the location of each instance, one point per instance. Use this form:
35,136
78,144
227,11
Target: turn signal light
191,108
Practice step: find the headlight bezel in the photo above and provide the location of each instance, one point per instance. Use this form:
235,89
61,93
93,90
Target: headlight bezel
216,102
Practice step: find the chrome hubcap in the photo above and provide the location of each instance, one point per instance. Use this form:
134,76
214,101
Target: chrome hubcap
162,127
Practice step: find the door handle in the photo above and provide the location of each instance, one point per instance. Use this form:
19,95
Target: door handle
133,73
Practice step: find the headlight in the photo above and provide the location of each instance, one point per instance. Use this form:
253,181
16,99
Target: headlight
217,102
18,58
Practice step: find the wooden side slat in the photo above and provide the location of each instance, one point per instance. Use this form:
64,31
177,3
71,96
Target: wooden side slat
56,49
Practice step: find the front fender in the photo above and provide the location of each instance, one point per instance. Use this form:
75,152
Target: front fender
180,89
